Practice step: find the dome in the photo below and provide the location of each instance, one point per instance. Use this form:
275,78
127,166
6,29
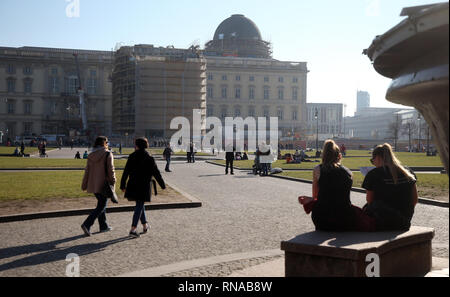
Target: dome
237,26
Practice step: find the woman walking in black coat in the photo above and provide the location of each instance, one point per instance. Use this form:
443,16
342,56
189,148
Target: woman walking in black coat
139,170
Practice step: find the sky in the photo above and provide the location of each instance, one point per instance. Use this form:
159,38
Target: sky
329,35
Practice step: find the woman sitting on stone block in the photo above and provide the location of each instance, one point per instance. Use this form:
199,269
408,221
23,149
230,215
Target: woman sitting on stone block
391,191
330,204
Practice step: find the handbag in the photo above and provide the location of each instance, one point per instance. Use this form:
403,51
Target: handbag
108,190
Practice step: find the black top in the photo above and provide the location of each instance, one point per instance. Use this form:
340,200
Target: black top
393,205
140,169
167,152
333,209
229,156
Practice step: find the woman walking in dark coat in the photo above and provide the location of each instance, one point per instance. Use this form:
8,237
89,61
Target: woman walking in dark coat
139,170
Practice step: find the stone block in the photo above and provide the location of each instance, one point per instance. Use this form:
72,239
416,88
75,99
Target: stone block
343,254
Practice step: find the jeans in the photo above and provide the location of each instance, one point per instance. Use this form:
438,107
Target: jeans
167,163
99,212
265,168
139,213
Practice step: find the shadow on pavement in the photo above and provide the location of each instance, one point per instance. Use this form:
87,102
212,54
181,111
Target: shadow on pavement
50,252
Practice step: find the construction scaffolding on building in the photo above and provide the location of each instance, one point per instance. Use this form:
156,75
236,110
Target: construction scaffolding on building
151,86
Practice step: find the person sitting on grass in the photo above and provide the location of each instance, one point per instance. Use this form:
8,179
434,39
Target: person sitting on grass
77,155
330,203
85,155
391,191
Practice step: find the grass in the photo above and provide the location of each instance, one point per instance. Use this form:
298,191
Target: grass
428,185
10,150
19,163
45,185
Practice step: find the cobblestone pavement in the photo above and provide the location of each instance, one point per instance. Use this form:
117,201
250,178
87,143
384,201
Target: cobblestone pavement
240,213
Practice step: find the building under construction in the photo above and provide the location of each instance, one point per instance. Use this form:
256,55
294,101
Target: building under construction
153,85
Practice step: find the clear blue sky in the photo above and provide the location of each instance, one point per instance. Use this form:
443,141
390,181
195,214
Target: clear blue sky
330,35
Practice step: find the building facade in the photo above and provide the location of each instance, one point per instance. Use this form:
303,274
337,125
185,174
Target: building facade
38,92
362,100
243,80
153,85
325,120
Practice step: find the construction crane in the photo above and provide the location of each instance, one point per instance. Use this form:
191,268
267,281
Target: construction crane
81,97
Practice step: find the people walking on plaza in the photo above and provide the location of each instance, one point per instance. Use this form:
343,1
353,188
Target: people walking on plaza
229,158
391,191
330,202
120,148
192,149
99,168
139,170
167,155
22,148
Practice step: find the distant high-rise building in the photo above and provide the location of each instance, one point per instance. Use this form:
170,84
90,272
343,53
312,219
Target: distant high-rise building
362,100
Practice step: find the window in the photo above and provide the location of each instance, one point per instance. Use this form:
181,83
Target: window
209,111
251,92
54,85
54,71
294,93
210,76
27,128
237,93
27,86
11,85
266,79
251,78
27,70
266,93
71,84
294,115
238,77
237,112
295,80
93,73
27,106
10,106
280,93
224,77
209,92
280,114
224,92
280,79
92,86
10,69
251,111
266,113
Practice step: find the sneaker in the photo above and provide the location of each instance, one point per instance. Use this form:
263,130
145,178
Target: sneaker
85,230
106,230
146,228
134,234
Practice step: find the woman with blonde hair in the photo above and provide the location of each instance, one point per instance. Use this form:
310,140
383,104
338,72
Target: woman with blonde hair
391,191
330,203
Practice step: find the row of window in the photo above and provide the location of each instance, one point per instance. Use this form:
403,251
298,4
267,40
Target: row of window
27,128
251,93
224,77
251,113
11,106
70,85
27,70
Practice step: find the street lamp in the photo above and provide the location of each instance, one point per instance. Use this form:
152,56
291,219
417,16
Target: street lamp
419,147
316,117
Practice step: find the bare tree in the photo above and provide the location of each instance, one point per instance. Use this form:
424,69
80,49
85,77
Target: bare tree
395,129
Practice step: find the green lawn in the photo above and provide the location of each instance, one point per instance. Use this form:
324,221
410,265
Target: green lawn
10,149
44,185
428,185
14,162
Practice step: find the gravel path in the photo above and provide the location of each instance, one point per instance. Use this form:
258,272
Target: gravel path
240,213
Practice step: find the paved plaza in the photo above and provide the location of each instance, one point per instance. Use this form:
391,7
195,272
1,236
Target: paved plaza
241,215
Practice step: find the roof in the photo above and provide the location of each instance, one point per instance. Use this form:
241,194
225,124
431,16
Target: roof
237,26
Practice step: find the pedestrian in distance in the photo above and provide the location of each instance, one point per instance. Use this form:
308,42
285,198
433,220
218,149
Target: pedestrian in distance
77,155
22,148
330,202
229,158
139,170
391,191
85,155
167,155
99,168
